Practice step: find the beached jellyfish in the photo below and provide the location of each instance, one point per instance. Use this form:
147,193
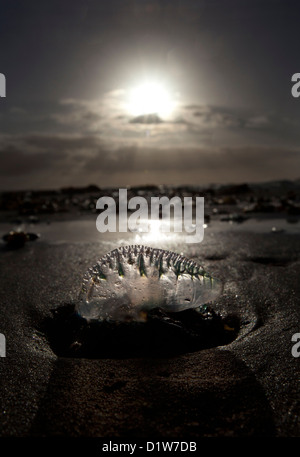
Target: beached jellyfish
131,280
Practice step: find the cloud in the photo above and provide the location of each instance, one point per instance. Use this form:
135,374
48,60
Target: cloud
207,116
196,125
61,143
258,122
15,162
200,144
39,161
146,119
79,114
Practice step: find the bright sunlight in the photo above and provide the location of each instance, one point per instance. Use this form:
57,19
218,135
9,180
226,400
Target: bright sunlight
150,98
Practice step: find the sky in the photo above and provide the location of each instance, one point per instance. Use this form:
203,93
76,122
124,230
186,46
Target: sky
134,92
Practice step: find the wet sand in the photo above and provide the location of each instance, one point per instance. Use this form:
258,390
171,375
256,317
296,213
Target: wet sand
249,387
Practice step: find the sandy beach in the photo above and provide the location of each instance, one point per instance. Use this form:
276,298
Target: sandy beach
249,387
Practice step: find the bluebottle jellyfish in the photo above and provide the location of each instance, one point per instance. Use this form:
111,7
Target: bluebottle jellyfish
129,281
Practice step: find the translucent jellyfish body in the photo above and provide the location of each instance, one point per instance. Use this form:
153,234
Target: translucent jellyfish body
129,281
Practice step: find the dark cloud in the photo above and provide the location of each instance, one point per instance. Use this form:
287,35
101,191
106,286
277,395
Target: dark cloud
62,143
86,160
16,162
146,119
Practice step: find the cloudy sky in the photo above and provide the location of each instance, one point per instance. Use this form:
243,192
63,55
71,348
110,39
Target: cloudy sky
128,92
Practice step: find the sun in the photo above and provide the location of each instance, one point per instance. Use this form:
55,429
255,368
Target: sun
150,98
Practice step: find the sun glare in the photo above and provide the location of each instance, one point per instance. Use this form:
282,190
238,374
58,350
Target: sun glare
150,98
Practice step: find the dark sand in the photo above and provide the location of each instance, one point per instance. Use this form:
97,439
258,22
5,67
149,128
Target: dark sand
247,388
